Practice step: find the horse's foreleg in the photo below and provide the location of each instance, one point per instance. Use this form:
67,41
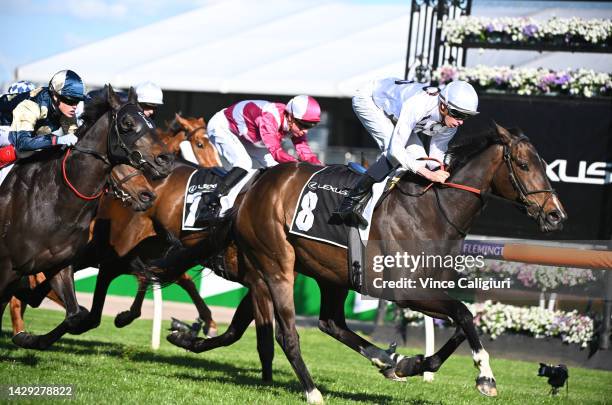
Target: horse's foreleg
127,317
105,276
441,305
333,322
210,326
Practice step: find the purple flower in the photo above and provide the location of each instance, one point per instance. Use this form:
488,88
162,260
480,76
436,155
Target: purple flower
562,79
490,28
530,30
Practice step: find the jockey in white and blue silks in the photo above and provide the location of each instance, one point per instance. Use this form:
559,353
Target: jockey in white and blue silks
400,115
40,118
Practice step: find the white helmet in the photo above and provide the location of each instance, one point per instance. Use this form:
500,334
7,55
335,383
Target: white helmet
149,93
460,99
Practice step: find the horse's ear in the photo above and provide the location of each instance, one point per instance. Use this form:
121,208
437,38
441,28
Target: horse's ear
132,96
503,133
112,98
182,121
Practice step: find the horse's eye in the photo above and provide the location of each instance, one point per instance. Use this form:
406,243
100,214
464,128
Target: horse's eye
199,145
523,165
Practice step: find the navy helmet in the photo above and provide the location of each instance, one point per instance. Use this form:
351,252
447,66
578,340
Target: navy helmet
68,86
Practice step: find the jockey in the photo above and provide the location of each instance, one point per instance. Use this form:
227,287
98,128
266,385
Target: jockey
40,118
401,116
21,86
150,97
248,135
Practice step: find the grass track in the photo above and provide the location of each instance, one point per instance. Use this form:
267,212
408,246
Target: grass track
117,366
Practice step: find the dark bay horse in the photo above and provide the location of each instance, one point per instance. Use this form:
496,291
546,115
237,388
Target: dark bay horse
181,129
502,162
133,189
47,204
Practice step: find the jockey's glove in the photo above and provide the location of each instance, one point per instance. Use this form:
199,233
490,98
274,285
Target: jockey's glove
69,140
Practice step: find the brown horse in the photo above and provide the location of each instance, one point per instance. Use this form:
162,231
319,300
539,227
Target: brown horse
181,129
502,162
127,184
192,130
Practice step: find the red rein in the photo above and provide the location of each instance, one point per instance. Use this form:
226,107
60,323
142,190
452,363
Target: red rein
451,185
74,190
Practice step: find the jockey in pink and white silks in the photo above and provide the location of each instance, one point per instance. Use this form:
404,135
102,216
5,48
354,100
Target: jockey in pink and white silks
401,116
249,134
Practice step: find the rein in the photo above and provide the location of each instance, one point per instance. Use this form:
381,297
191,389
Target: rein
65,174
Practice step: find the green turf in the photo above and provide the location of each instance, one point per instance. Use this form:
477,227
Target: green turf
117,366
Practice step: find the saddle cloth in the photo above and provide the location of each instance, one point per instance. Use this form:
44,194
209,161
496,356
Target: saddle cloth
320,196
202,181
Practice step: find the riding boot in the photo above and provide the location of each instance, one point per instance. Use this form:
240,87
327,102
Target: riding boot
210,204
7,155
350,211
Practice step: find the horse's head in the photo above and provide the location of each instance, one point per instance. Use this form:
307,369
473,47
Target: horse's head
133,139
192,130
130,185
522,177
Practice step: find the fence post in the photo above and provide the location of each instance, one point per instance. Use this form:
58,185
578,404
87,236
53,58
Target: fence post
604,337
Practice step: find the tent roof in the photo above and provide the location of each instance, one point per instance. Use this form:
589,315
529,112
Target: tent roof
318,47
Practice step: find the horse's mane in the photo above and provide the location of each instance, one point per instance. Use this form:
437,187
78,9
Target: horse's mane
465,146
94,109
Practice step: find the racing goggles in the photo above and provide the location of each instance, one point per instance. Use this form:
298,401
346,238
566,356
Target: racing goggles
304,125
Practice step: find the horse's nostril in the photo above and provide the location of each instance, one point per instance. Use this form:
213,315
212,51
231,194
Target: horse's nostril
163,159
146,196
554,217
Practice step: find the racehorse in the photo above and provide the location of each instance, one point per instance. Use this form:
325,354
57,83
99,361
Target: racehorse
181,129
48,201
127,184
502,162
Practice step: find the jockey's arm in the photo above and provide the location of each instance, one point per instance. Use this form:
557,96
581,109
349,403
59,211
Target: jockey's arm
303,150
405,146
271,137
21,133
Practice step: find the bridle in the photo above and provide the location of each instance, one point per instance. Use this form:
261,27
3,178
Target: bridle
133,157
522,191
190,134
126,154
115,186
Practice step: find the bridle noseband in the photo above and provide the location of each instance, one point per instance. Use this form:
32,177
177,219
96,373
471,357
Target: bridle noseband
519,187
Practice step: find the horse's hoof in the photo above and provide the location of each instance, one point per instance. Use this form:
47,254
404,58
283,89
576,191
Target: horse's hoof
486,386
390,375
314,397
26,340
78,323
124,319
212,332
180,339
409,366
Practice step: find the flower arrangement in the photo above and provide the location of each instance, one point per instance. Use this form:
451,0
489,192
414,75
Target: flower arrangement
496,319
543,278
530,81
508,30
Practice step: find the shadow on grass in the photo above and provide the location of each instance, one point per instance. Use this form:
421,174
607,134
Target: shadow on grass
230,374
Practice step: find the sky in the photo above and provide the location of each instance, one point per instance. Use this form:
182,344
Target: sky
40,28
36,29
